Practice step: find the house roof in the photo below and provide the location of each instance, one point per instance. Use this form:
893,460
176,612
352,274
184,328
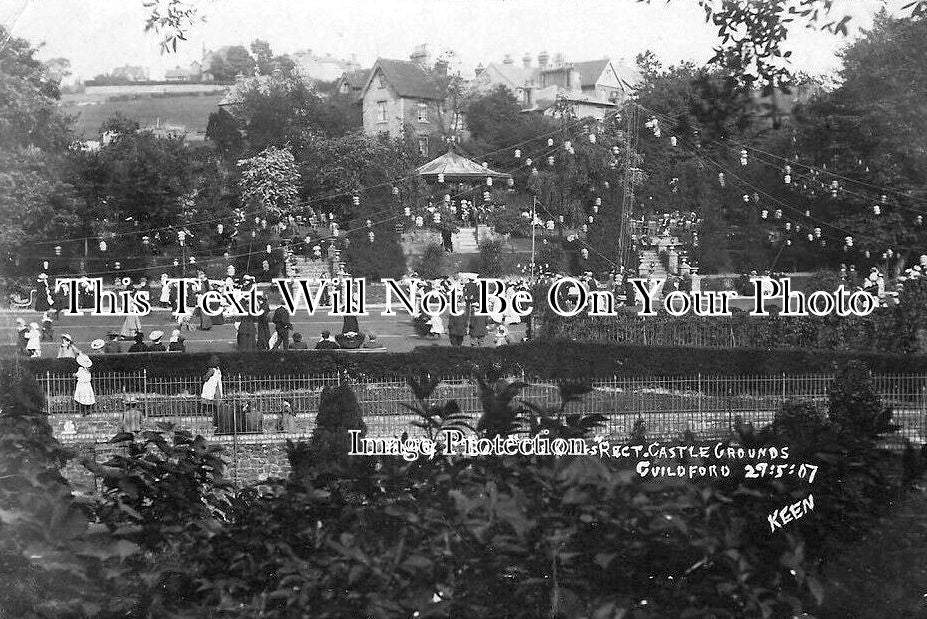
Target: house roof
517,76
407,78
356,79
452,165
590,71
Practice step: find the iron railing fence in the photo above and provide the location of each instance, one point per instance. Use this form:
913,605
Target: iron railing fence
709,405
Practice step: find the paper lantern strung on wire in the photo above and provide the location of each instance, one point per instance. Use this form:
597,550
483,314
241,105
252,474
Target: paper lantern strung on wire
807,213
269,248
355,200
616,151
585,228
518,153
823,242
606,184
560,219
486,165
550,142
265,265
797,228
673,141
584,253
595,209
369,223
102,245
848,241
919,220
884,198
534,172
176,262
867,254
810,237
746,198
510,182
192,259
45,265
778,213
317,250
743,157
817,232
487,196
57,250
876,209
335,231
788,226
331,217
419,221
721,178
889,253
756,197
489,181
598,201
440,178
220,228
550,161
550,224
591,219
764,213
788,241
395,191
568,146
407,211
788,179
592,138
253,234
528,161
437,217
371,236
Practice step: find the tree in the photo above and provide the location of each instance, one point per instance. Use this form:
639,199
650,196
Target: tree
234,61
223,130
269,181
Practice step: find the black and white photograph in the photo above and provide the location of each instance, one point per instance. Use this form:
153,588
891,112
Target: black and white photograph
459,309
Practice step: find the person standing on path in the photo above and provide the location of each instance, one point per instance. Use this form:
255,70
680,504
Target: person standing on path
478,327
457,328
263,323
283,326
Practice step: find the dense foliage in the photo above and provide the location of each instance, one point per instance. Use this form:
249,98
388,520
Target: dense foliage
450,535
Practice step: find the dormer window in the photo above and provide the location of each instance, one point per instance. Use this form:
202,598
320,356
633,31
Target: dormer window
422,113
381,80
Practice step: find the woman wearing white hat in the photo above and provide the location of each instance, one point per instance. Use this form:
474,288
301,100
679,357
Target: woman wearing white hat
165,299
156,344
83,391
67,349
34,340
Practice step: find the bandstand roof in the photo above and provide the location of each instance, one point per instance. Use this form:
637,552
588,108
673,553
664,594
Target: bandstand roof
456,167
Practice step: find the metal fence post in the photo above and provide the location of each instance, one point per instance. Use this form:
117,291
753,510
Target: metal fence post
783,388
145,389
47,392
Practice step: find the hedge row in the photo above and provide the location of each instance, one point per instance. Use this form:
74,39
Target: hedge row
543,359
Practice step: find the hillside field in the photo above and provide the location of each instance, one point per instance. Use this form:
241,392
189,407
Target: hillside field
190,111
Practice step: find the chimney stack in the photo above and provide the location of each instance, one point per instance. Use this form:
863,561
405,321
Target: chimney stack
421,56
543,58
441,67
526,60
508,59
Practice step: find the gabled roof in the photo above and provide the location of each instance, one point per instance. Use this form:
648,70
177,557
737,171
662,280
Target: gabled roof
518,77
407,78
455,166
356,79
629,76
590,71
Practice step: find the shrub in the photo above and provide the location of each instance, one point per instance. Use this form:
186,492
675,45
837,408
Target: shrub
491,259
855,407
383,258
550,257
327,452
433,262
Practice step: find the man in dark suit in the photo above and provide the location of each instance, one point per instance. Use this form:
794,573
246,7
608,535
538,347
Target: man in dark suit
457,328
282,323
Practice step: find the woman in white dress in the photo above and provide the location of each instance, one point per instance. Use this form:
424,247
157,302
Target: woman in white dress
212,390
437,326
34,340
130,326
165,299
83,390
509,316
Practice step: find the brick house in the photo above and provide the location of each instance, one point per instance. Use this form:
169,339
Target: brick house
404,97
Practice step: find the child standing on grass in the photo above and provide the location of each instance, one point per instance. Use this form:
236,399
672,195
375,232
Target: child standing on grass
502,335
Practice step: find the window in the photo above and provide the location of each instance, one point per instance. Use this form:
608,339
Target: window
422,113
381,80
423,146
381,111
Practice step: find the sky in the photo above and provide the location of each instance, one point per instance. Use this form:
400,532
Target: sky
98,35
